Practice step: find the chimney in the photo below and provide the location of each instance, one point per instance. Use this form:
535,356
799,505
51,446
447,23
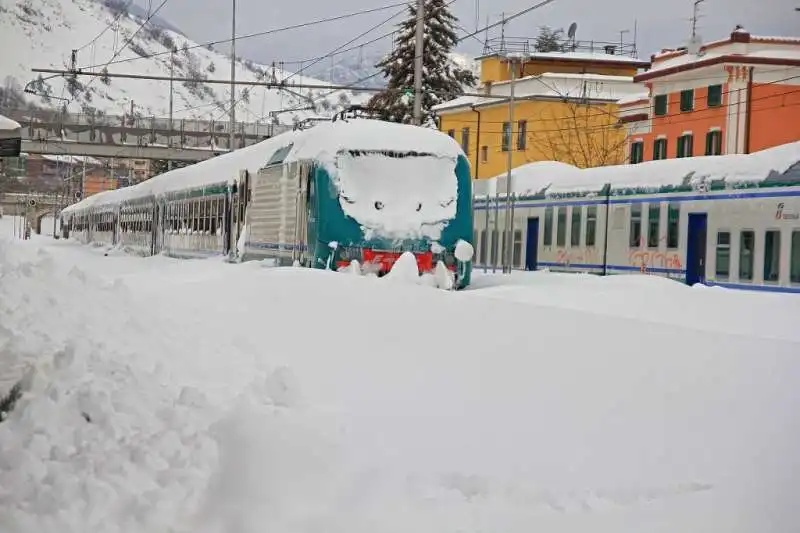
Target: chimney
740,35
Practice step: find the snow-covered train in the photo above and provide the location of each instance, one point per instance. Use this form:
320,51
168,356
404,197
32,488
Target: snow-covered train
732,220
343,191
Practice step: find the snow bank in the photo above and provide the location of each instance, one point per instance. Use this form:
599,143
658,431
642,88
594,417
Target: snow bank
402,410
561,177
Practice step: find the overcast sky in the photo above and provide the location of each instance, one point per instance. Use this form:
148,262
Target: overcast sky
663,23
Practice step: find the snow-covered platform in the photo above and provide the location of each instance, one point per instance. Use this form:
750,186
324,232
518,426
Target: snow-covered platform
198,396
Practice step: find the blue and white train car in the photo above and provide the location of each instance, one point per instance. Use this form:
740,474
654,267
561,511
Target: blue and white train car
731,220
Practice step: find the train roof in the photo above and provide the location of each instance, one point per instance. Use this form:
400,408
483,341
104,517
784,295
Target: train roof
321,143
778,165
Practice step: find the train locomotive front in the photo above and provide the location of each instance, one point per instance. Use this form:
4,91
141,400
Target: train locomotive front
369,206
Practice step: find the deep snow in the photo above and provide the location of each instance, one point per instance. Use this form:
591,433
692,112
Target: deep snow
240,398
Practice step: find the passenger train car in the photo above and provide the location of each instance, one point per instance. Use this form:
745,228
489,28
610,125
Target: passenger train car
732,221
323,197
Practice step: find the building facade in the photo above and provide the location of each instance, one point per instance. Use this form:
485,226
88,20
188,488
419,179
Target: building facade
733,96
565,107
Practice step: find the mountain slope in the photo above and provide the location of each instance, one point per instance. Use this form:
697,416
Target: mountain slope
42,33
357,66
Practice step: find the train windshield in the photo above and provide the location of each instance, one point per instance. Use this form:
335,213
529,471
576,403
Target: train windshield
398,194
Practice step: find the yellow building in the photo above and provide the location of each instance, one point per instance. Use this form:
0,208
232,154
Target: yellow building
565,109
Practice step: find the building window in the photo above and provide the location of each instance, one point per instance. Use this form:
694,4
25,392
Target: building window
772,255
522,134
653,223
484,154
660,105
794,261
714,143
506,136
714,95
637,152
561,227
452,133
687,100
575,231
636,225
685,145
673,225
548,226
659,149
465,140
747,243
723,267
591,225
517,248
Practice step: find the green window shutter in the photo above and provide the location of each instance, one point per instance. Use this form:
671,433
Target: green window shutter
660,105
687,100
714,95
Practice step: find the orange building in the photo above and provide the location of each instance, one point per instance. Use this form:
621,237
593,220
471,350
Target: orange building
733,96
98,180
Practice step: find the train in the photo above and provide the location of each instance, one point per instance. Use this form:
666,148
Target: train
341,193
730,221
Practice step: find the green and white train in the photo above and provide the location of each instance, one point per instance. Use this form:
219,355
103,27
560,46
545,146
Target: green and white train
731,221
343,191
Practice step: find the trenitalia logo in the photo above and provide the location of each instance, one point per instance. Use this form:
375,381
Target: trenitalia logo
780,214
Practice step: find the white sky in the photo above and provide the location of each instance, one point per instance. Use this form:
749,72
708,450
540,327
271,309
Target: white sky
662,23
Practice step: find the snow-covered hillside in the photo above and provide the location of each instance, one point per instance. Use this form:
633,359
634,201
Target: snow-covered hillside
204,397
356,66
42,33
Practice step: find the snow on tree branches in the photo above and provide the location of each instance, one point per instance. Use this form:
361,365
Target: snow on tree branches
442,79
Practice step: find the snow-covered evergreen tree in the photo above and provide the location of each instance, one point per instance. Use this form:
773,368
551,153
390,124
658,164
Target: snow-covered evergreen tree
442,79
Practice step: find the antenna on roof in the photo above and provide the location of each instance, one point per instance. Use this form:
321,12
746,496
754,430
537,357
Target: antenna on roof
693,46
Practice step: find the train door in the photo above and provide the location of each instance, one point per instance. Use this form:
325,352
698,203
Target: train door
532,244
696,248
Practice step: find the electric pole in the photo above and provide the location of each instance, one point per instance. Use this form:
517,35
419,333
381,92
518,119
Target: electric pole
171,76
418,51
233,79
508,256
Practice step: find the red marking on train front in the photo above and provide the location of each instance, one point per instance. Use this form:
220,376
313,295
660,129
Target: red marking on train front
386,260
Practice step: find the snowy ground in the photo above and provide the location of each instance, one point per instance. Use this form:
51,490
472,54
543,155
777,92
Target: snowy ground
171,396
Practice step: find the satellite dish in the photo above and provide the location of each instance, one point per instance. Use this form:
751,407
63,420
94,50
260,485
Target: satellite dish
572,29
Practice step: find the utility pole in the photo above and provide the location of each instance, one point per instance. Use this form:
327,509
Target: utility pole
233,78
419,49
508,256
171,76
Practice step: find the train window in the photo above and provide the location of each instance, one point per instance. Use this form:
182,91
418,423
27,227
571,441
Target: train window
636,226
772,255
484,245
747,243
723,268
575,230
591,224
517,248
561,227
548,226
653,225
673,225
794,268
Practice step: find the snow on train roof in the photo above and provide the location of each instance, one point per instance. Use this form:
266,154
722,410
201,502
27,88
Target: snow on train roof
324,141
321,142
558,177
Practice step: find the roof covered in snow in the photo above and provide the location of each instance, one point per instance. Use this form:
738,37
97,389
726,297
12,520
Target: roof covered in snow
321,142
9,129
581,56
554,177
740,47
552,85
8,124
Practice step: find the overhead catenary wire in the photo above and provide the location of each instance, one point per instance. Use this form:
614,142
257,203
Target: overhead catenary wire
256,34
